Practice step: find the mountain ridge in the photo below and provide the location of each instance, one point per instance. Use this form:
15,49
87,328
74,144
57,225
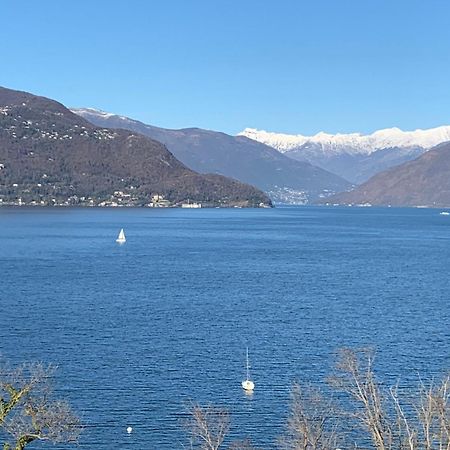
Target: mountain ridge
424,181
285,180
354,156
49,155
356,142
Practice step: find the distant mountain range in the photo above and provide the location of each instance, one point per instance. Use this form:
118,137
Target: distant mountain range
49,155
284,179
422,182
355,157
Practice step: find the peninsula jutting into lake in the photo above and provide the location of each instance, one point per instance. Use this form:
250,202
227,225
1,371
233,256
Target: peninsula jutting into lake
50,156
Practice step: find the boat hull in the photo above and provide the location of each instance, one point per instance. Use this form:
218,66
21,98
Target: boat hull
248,385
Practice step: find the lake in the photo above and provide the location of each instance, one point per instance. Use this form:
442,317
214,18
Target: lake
141,330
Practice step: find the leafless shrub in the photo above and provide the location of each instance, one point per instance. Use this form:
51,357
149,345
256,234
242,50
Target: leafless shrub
17,383
28,411
207,426
420,420
312,423
372,414
433,411
356,377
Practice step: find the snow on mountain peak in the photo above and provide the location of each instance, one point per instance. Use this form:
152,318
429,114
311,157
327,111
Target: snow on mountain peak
353,142
92,113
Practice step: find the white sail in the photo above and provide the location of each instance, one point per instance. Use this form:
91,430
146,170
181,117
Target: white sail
121,238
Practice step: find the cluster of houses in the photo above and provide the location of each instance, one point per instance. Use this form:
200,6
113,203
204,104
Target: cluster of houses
118,199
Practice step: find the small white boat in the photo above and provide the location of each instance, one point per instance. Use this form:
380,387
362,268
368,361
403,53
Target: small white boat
191,205
121,239
247,384
444,213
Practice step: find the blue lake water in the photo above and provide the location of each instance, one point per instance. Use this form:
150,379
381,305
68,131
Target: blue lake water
140,330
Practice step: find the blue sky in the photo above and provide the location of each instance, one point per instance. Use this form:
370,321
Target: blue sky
290,66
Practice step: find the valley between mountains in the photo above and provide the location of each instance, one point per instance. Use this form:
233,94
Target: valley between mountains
324,168
50,155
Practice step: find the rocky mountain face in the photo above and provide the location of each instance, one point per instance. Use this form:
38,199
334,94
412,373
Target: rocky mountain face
356,157
424,181
49,155
239,157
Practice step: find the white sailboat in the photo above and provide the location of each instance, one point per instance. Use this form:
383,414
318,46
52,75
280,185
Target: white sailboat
247,384
121,239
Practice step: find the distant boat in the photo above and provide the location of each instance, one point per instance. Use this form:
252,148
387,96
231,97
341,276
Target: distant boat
444,213
121,239
247,384
191,205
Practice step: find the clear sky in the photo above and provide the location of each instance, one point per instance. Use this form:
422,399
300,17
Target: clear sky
293,66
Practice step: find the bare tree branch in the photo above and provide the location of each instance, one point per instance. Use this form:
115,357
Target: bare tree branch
207,426
312,424
27,410
356,377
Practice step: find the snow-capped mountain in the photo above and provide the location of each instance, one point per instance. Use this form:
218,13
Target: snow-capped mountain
353,142
354,156
96,113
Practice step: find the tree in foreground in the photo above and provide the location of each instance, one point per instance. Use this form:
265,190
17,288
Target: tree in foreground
28,411
370,414
360,413
418,419
313,422
207,427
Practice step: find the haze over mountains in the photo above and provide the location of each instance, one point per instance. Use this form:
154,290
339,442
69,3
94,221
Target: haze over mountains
355,156
49,155
239,157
